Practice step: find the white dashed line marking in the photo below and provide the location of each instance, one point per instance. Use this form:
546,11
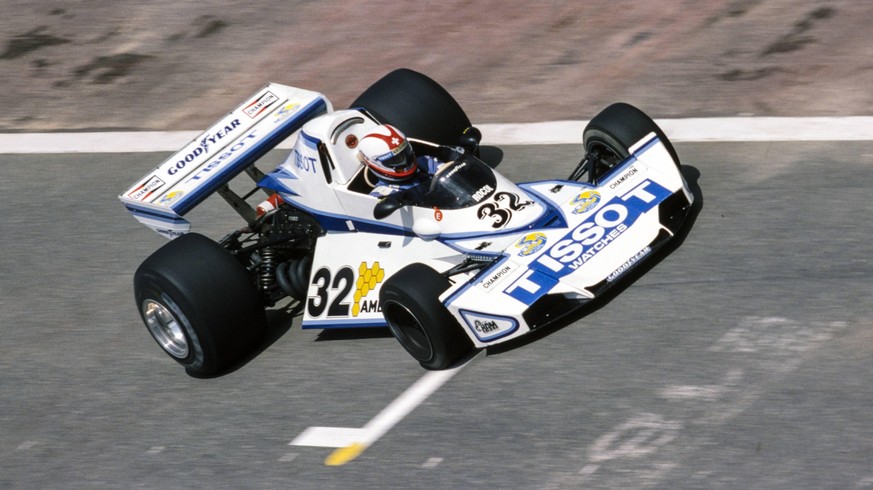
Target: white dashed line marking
352,441
27,445
432,462
288,457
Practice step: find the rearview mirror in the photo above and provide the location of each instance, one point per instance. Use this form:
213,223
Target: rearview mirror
385,207
470,139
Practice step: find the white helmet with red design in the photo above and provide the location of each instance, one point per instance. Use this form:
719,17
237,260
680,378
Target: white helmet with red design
386,152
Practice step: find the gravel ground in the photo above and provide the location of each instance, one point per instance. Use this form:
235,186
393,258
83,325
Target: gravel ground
165,65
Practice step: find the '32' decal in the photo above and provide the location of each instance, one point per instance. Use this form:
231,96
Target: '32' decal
333,293
500,210
340,287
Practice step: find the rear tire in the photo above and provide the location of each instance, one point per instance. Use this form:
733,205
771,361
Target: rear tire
200,305
417,105
419,321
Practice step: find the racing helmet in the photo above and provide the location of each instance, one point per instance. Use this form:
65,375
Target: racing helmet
387,153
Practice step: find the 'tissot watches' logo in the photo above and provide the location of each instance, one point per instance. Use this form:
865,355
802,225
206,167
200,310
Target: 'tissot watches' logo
586,241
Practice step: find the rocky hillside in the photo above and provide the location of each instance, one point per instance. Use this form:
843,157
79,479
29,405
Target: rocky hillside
180,65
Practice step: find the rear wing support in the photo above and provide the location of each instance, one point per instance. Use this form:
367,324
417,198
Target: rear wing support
238,203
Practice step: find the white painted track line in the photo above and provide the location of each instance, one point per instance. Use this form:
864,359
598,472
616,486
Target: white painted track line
352,441
858,128
102,142
696,129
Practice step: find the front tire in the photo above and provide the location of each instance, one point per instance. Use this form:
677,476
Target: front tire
613,131
419,321
200,305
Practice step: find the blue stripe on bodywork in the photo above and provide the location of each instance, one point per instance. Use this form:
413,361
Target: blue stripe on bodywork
338,323
154,214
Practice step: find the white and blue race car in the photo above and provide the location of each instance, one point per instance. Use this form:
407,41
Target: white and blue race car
481,261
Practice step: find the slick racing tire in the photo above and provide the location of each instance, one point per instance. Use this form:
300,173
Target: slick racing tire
199,305
417,105
419,321
617,128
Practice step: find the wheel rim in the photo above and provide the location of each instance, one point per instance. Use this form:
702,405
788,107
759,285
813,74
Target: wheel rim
408,330
165,328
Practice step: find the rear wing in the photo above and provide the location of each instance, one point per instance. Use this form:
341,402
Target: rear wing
231,145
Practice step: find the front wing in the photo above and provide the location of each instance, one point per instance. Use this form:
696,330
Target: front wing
611,229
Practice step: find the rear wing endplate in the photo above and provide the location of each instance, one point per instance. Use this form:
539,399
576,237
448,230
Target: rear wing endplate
164,195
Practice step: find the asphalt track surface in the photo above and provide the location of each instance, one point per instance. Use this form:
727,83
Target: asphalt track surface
741,359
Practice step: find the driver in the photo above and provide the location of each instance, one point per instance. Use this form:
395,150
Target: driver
387,153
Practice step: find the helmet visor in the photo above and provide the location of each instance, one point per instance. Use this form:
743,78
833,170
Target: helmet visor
401,162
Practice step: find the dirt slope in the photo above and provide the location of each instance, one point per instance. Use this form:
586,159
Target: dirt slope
180,65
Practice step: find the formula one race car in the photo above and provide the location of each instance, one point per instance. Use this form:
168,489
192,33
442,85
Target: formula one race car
480,261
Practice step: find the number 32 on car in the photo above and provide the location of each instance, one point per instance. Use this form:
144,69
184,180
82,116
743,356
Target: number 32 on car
332,294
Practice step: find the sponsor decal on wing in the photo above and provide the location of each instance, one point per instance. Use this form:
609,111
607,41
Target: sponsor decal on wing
259,105
244,143
489,327
199,153
627,265
286,111
171,197
143,191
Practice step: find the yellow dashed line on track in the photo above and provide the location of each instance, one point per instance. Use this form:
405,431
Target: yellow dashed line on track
345,454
